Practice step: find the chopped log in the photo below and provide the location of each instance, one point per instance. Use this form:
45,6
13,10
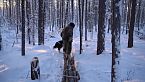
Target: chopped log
70,74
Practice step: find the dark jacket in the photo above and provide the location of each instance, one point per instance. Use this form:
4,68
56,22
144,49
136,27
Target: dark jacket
67,33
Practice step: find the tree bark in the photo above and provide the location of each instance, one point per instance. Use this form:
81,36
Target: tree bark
81,21
138,15
72,10
28,15
41,23
116,26
101,27
10,11
0,36
23,27
131,23
0,41
128,15
86,18
18,15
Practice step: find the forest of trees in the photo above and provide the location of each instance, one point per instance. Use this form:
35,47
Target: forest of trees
32,17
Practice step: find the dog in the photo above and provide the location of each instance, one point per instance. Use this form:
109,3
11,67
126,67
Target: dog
58,45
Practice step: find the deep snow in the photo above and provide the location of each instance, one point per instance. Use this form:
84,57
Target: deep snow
92,67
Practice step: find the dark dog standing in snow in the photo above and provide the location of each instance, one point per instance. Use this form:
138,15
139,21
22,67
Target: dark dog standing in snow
58,45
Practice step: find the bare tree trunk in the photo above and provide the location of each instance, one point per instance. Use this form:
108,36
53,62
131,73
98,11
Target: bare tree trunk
0,41
14,16
116,25
23,27
96,14
124,15
34,21
128,15
82,16
131,23
62,13
72,8
10,11
6,2
18,15
52,15
81,5
143,15
58,15
86,18
66,12
60,18
28,14
3,8
101,27
138,15
41,23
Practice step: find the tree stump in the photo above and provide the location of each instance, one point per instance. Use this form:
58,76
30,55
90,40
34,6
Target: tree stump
35,69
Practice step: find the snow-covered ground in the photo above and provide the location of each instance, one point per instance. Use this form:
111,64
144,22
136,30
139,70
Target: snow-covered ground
97,68
16,68
92,67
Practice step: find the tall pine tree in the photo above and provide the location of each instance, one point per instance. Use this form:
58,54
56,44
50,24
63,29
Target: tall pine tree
131,23
116,25
41,23
23,27
101,27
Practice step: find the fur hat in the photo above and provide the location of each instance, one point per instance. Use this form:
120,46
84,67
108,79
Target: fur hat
72,24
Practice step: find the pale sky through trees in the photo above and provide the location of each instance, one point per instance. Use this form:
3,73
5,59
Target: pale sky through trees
1,4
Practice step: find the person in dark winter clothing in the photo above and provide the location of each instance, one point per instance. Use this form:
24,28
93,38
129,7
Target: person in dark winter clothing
67,37
35,69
